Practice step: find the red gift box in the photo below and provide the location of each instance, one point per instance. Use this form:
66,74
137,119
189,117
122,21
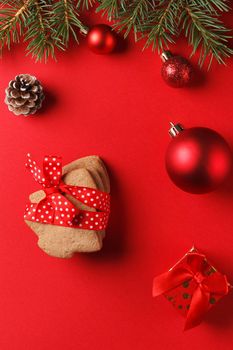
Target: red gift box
193,286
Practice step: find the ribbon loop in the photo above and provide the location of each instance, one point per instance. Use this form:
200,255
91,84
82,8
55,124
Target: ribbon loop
52,169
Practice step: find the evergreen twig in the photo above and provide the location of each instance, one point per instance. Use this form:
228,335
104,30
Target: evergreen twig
85,4
41,36
206,31
162,26
111,8
48,25
65,20
160,22
12,21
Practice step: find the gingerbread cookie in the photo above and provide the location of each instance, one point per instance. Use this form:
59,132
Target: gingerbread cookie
91,208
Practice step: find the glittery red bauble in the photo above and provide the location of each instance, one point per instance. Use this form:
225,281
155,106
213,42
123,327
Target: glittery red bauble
176,71
101,39
198,160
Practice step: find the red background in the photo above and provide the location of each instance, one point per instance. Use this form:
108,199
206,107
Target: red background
116,106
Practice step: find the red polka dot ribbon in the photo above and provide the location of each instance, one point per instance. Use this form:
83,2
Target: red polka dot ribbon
56,209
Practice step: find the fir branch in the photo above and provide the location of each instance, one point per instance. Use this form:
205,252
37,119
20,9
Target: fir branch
205,31
162,25
85,4
12,21
49,24
213,6
41,36
161,21
134,17
65,20
111,8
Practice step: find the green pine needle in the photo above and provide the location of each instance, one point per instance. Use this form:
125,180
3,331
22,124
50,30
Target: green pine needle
85,4
111,8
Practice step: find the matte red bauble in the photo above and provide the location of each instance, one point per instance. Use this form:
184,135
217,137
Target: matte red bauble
176,70
198,159
101,39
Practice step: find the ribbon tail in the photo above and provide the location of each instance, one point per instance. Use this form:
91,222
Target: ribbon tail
169,280
198,307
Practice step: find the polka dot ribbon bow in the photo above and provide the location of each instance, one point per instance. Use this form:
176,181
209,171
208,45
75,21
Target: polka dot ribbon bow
56,209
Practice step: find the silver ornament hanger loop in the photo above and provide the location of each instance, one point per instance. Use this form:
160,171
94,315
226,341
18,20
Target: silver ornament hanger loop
175,129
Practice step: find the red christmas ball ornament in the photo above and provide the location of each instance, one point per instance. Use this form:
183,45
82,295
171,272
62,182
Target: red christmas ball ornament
198,159
176,70
101,39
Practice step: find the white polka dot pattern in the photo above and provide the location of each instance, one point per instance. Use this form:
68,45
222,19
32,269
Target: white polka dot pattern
56,209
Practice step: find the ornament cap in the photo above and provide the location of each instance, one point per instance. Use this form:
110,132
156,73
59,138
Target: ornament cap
166,55
175,129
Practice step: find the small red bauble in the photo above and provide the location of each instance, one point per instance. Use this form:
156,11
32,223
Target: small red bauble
198,159
176,70
101,39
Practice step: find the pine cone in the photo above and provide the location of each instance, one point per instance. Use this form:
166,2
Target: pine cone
24,95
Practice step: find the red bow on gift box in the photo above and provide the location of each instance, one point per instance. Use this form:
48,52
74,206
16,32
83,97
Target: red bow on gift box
56,209
206,285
